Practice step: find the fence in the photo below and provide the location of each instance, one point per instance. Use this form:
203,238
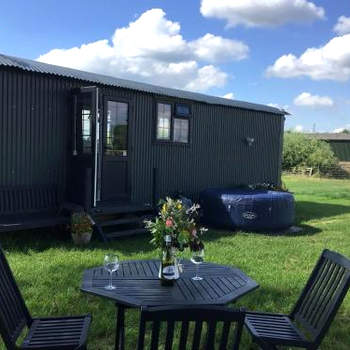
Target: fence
339,171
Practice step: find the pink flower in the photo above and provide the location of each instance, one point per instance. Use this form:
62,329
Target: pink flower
169,223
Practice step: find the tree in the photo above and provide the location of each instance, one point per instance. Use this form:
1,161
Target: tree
300,150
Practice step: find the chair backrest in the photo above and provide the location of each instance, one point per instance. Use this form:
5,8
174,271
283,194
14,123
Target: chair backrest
185,325
14,315
323,295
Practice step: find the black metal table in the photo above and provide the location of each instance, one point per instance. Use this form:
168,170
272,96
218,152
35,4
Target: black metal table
137,285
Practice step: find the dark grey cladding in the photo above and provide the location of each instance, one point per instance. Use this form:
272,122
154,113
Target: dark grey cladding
39,67
36,128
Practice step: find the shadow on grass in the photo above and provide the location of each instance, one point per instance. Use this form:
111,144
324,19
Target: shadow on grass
269,299
306,210
39,240
306,230
302,230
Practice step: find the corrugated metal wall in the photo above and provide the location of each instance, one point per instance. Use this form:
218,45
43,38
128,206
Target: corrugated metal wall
218,154
34,124
35,131
341,150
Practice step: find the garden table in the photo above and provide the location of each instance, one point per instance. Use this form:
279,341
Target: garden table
137,284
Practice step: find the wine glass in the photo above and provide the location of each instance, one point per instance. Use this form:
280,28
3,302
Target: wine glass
197,259
111,264
179,261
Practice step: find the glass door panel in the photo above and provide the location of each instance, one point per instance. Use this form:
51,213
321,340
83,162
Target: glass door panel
117,129
115,158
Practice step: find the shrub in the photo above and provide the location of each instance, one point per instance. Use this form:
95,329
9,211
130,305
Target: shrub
80,223
300,150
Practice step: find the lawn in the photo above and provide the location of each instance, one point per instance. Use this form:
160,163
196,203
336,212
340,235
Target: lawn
48,267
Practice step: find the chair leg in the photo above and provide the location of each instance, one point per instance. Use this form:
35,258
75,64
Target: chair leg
238,335
267,346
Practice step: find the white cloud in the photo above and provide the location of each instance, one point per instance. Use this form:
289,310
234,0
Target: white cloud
261,13
339,130
152,49
308,100
299,128
343,25
331,61
229,95
214,48
207,77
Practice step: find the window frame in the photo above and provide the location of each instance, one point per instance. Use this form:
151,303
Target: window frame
79,132
173,116
169,140
103,132
89,149
188,131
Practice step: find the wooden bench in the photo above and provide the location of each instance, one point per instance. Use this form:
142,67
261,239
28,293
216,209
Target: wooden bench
23,207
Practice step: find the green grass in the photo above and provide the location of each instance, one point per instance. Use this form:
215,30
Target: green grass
48,267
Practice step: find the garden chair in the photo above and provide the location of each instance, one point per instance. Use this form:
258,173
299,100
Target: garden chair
43,333
184,317
312,314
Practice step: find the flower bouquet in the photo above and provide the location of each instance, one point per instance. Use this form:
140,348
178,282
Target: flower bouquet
178,221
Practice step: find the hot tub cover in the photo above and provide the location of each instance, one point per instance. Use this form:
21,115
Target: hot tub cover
247,209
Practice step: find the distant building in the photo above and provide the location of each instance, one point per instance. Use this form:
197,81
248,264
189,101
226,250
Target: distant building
339,142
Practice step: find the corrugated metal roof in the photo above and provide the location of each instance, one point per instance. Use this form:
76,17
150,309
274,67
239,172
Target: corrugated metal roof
39,67
331,136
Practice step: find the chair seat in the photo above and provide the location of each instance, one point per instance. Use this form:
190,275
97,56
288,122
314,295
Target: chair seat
58,333
274,329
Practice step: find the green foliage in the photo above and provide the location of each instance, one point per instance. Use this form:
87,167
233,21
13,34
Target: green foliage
80,223
300,150
178,221
268,187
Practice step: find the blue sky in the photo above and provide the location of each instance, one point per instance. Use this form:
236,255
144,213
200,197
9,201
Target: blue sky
210,46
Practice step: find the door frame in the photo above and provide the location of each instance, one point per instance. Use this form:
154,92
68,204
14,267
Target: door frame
87,163
128,101
97,149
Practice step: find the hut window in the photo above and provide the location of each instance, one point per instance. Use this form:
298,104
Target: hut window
117,128
86,130
163,121
181,130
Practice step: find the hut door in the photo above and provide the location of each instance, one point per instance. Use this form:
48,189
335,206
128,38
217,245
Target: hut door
115,150
86,165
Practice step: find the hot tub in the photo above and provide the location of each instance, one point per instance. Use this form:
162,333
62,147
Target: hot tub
246,209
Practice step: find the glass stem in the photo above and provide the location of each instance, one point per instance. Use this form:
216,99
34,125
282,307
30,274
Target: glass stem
197,268
110,279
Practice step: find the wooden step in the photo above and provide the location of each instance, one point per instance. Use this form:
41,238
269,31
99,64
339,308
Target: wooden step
125,209
125,233
123,221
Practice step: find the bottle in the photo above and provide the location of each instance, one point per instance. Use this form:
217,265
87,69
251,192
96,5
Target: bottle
168,264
